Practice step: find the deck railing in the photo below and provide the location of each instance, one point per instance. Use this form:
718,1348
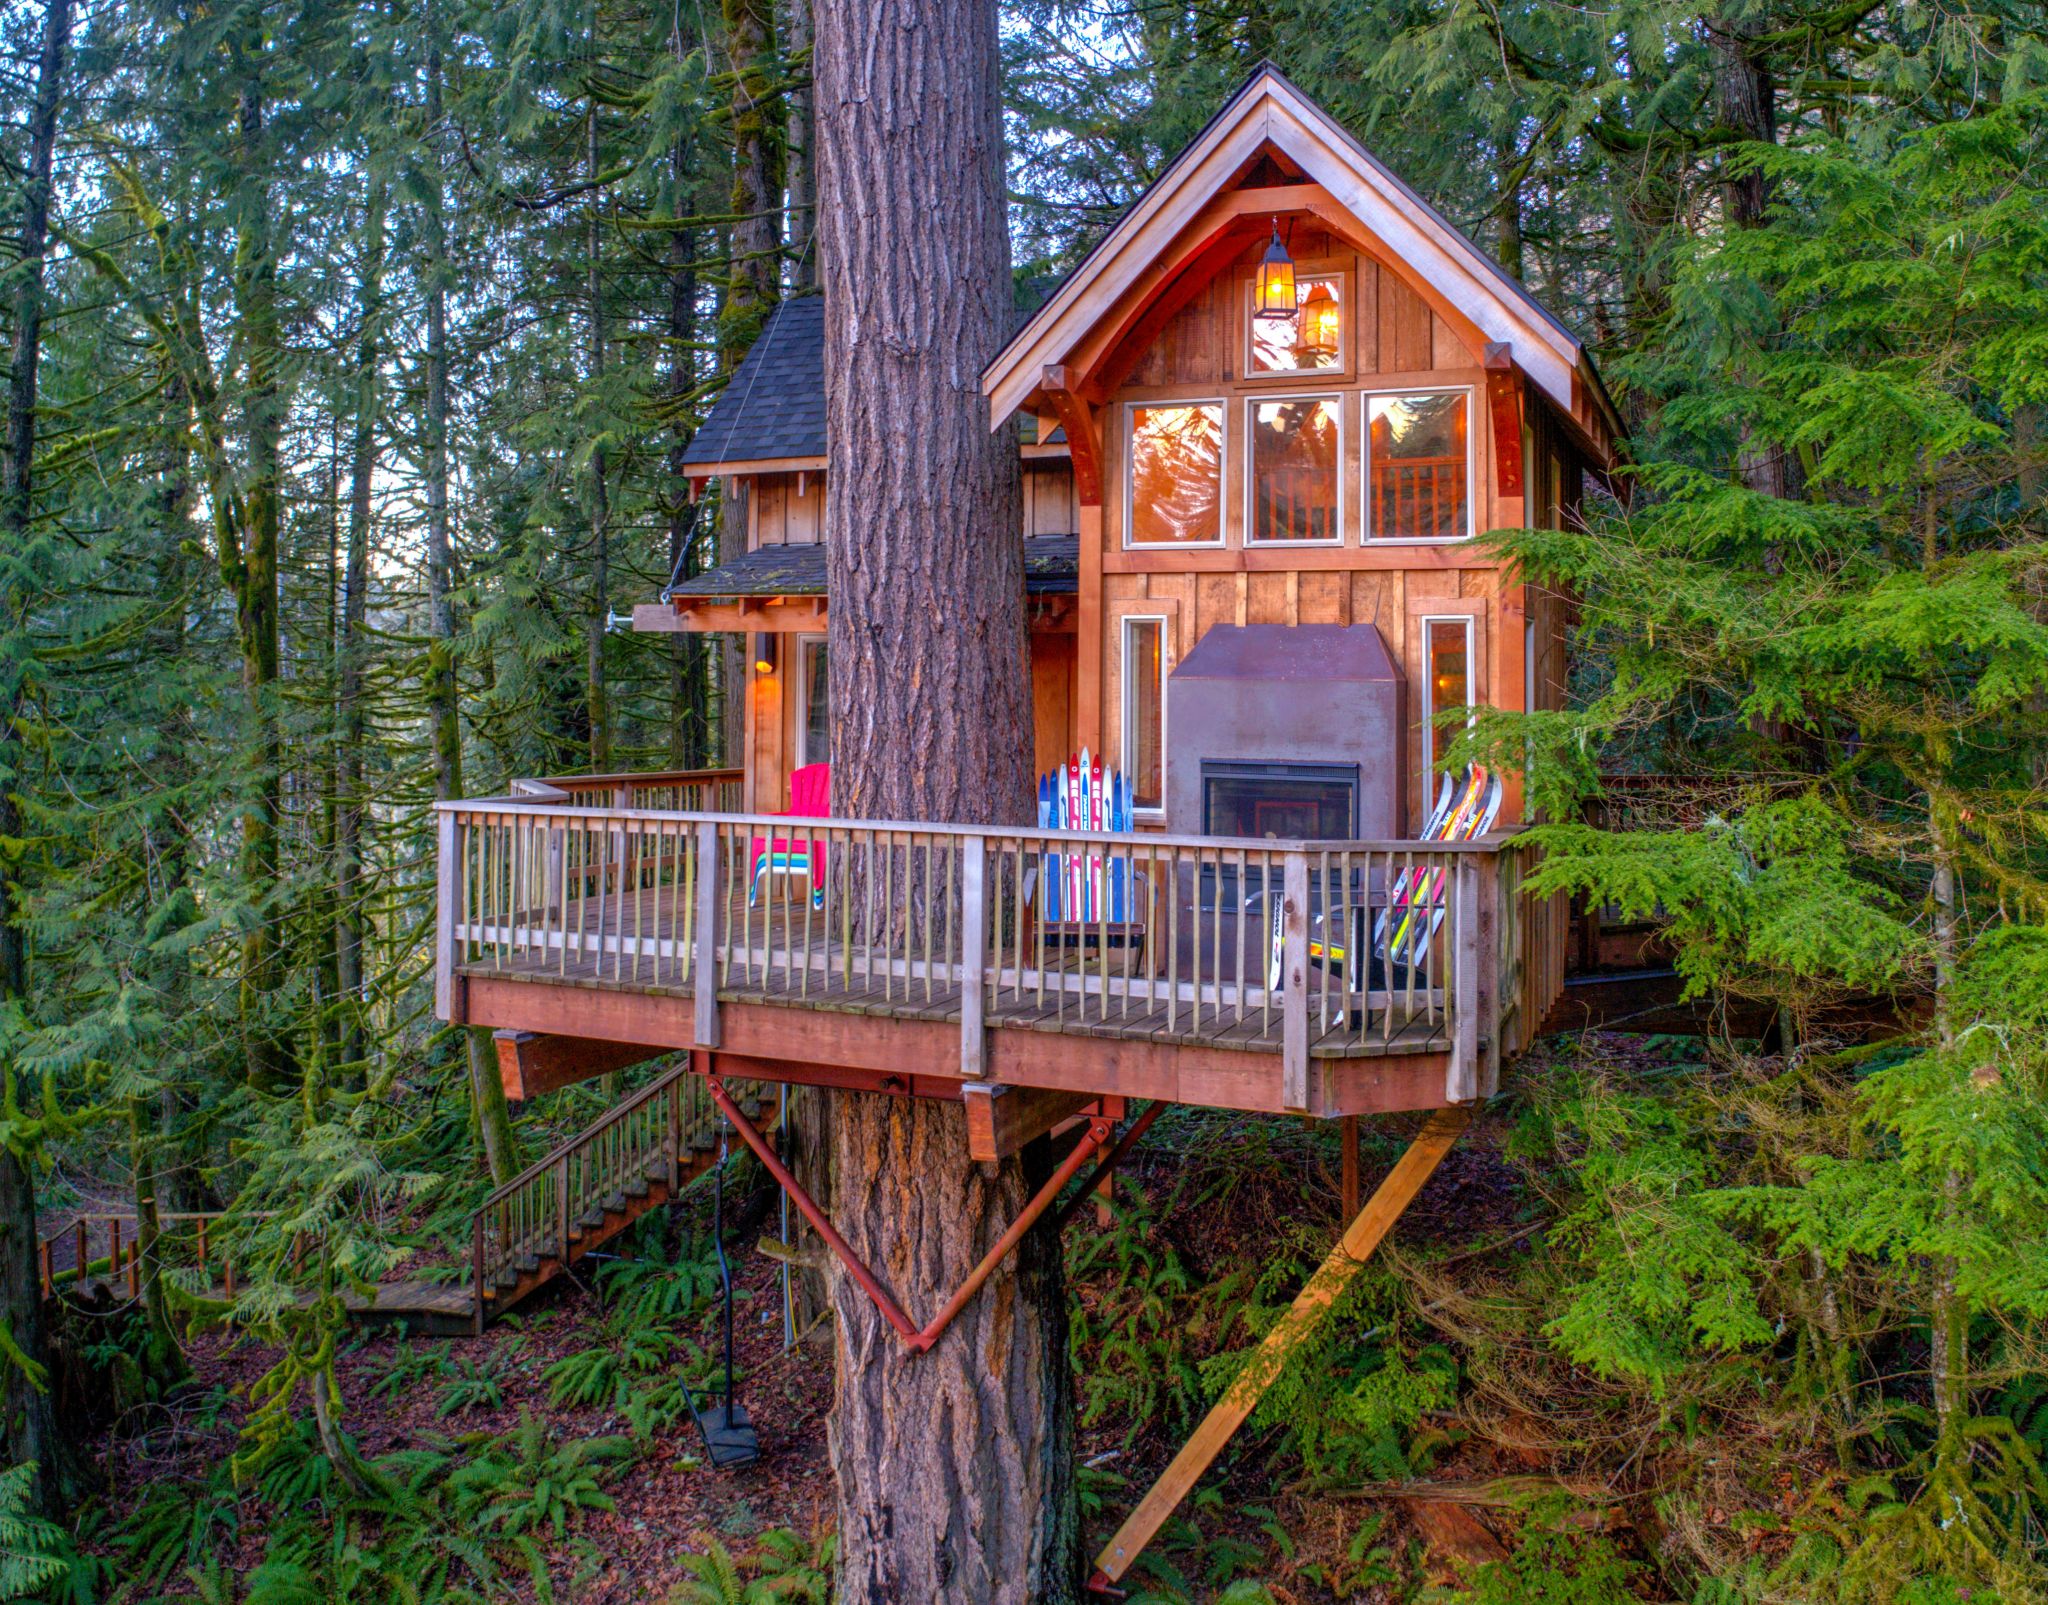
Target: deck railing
1307,949
106,1247
541,1212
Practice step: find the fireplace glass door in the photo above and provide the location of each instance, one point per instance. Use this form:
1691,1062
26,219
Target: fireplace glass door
1284,801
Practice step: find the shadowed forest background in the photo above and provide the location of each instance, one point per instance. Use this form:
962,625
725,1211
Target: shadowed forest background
351,352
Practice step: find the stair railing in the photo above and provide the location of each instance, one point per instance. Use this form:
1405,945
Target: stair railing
535,1215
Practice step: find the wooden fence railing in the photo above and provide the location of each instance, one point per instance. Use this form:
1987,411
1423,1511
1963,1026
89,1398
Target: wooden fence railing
116,1258
1296,947
708,791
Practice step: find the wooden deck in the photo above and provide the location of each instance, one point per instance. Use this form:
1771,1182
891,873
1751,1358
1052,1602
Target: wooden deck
1318,977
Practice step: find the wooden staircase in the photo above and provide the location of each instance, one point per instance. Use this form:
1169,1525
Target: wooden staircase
636,1158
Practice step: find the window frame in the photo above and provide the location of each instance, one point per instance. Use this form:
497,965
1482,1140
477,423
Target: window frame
1130,473
1250,539
1469,625
1126,699
805,646
1342,371
1368,533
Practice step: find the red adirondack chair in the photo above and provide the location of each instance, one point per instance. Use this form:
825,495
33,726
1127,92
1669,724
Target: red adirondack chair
810,797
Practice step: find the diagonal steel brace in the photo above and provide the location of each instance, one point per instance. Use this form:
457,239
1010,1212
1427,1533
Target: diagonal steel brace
918,1339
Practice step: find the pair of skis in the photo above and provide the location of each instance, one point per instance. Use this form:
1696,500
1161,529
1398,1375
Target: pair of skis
1462,813
1084,797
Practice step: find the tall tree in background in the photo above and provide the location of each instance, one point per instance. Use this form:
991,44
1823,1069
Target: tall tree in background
953,1467
28,1429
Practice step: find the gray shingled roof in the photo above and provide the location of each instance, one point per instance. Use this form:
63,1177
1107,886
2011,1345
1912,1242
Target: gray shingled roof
1052,567
774,405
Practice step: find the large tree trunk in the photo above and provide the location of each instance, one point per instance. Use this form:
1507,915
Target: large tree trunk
596,693
350,928
444,696
800,143
253,573
954,1467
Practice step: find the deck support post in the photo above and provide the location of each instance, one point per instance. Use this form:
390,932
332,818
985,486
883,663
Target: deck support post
1311,1304
1461,1076
973,956
1294,983
706,961
1347,1142
447,880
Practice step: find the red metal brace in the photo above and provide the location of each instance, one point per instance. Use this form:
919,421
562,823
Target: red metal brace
918,1339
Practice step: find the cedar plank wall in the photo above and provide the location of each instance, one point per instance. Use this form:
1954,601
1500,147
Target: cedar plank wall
1395,338
788,509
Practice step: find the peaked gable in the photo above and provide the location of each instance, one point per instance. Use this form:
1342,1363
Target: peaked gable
1354,194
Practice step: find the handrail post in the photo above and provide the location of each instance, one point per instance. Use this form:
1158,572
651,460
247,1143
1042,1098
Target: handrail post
1461,1075
449,892
476,1273
973,956
707,935
562,1209
675,1133
1294,982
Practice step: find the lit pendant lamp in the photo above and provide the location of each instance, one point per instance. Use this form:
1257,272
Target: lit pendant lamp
1318,334
764,652
1273,297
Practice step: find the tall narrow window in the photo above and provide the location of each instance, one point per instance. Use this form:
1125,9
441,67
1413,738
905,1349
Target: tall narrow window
1145,711
1176,480
1296,450
1418,457
1312,339
814,730
1446,681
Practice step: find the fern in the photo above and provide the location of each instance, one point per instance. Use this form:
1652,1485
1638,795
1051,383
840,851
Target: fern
31,1549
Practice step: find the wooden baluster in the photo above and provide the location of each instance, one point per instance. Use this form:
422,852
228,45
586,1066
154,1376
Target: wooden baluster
1294,1086
974,929
46,1263
113,1250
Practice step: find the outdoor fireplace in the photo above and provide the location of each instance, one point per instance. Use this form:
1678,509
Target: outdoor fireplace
1288,732
1308,801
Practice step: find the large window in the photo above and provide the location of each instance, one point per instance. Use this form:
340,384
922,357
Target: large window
1294,484
1313,338
1446,681
1144,722
1418,462
1176,479
814,711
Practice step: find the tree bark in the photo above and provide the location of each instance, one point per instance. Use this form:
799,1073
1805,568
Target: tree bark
800,145
252,572
486,1092
595,691
28,1427
350,926
954,1467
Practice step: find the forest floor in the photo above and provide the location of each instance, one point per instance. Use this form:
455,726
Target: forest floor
1219,1214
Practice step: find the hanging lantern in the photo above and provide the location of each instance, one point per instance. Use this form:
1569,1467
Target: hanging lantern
764,653
1273,296
1318,332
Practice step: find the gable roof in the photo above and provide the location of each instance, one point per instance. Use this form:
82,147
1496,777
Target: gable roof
774,404
773,407
1268,109
1052,567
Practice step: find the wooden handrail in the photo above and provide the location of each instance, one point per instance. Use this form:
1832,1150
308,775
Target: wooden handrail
1098,841
583,1138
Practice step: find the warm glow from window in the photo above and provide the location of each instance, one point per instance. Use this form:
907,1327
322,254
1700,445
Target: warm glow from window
1295,452
1278,345
1418,459
1144,711
1447,646
1176,453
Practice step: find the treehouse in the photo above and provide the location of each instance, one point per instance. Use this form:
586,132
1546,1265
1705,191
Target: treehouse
1260,428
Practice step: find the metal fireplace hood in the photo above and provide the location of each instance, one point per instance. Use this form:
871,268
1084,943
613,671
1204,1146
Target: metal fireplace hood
1289,694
